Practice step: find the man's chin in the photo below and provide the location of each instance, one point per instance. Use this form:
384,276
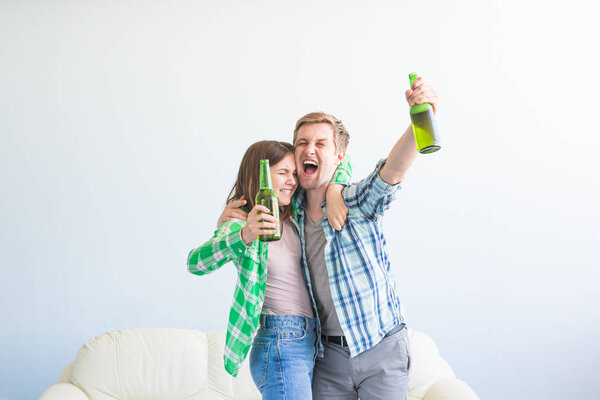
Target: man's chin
310,184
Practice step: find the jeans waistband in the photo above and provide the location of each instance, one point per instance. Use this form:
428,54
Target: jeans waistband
268,321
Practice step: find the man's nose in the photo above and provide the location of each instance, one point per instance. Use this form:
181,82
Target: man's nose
310,148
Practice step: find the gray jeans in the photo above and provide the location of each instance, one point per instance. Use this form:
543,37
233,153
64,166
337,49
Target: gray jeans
378,373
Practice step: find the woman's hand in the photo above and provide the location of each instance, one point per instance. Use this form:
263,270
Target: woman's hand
337,211
259,223
233,211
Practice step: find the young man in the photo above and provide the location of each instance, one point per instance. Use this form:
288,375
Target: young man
363,349
366,349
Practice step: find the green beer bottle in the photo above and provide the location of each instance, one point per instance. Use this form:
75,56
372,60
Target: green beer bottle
423,123
266,197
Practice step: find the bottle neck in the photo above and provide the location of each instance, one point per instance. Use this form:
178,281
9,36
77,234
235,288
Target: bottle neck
412,77
265,176
417,108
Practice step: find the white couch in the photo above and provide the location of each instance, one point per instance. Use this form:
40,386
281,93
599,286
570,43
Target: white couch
173,364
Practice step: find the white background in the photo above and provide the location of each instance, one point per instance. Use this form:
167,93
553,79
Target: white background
123,123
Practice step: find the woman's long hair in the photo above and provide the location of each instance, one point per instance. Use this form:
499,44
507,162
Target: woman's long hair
248,179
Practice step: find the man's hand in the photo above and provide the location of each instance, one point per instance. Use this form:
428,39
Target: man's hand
422,92
233,210
337,211
259,223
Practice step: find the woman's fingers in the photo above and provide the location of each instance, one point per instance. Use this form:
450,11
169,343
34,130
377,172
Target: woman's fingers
267,225
267,232
267,218
260,208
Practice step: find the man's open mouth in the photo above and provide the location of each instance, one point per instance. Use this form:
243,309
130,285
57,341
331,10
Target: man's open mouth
310,167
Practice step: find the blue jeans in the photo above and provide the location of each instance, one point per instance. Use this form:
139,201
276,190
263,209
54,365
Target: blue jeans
283,356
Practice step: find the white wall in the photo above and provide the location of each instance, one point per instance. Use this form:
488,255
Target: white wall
115,119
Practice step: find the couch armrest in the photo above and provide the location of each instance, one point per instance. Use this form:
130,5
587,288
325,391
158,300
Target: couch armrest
450,389
63,391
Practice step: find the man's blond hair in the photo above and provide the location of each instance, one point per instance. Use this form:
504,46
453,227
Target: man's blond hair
341,137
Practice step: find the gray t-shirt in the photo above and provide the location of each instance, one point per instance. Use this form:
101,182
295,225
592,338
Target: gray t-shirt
315,258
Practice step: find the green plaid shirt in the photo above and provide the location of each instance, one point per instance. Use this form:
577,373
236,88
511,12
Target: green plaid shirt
251,262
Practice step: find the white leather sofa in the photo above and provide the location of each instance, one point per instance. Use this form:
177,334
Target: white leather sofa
173,364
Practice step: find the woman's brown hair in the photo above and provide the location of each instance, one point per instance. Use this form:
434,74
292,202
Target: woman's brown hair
247,183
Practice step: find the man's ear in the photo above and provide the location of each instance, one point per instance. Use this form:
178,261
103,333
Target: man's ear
340,157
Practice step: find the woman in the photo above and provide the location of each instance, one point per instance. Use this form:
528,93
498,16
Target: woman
271,298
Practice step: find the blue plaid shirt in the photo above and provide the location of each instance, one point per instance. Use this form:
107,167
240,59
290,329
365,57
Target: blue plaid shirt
362,287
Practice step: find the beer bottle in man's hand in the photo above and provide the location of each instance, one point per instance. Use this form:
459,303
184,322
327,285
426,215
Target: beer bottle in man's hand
423,123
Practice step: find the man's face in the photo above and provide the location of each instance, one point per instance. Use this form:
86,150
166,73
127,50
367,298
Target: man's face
315,155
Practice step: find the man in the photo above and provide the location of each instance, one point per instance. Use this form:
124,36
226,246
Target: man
364,349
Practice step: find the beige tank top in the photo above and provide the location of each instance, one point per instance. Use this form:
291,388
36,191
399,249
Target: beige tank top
286,292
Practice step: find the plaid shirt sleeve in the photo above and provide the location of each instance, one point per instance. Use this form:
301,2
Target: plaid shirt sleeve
372,196
225,245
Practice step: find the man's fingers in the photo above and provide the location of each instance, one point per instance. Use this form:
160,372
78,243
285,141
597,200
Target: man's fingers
418,82
236,203
420,98
240,214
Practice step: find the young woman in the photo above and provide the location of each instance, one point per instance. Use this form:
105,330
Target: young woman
271,299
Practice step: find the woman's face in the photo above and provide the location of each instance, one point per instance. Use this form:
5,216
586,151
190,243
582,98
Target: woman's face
283,176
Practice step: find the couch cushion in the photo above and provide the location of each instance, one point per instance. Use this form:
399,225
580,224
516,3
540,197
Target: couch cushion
427,366
161,364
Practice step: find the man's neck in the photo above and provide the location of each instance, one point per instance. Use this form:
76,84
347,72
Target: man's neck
314,200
